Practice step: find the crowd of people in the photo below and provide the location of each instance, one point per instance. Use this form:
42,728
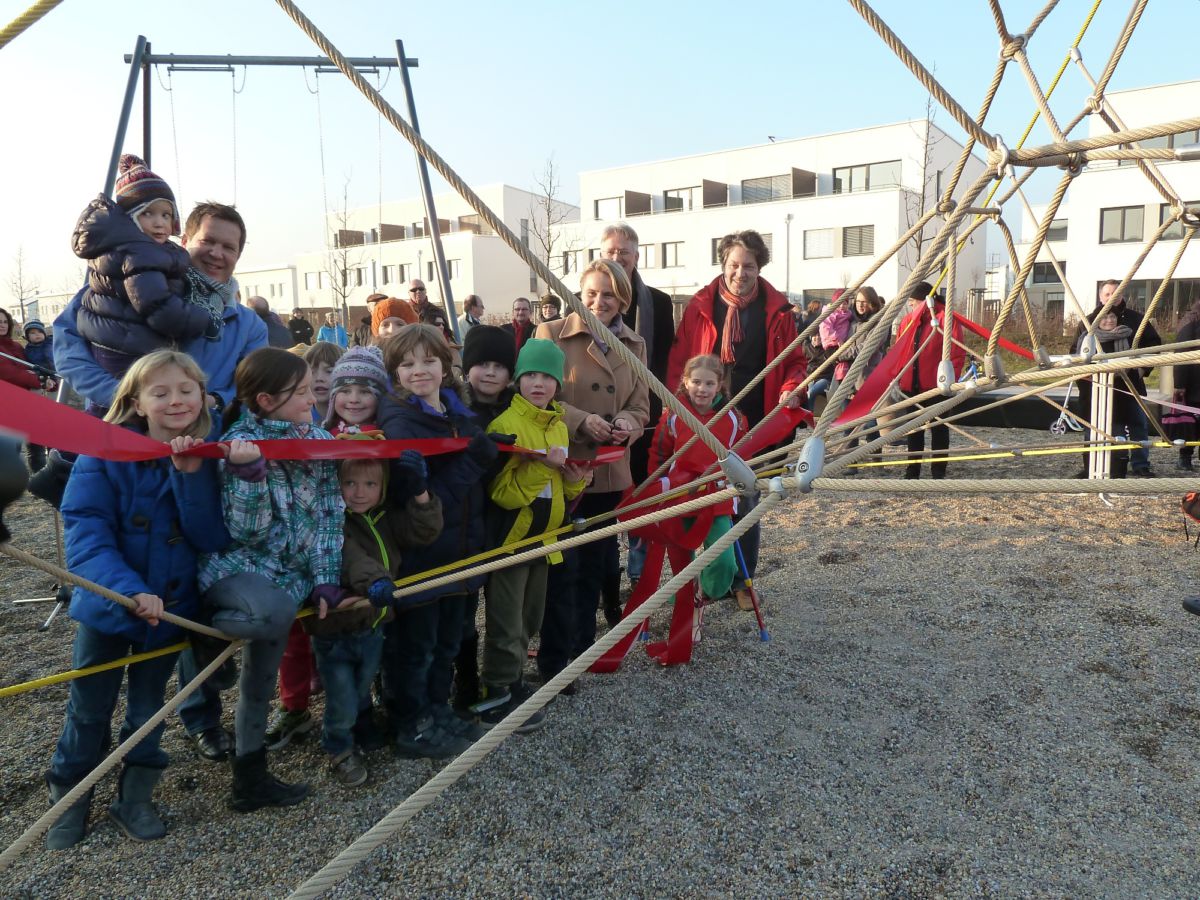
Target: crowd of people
157,342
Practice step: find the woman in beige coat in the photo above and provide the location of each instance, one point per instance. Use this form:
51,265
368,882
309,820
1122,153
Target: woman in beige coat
607,402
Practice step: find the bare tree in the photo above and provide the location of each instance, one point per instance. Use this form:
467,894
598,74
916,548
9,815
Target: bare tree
546,213
916,203
342,267
21,285
74,278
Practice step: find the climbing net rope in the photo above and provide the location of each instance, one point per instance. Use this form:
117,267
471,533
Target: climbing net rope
826,451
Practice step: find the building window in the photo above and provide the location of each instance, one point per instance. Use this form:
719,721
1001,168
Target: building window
648,258
406,272
569,263
281,289
1054,307
870,177
818,243
312,281
430,271
1043,272
716,260
1121,224
417,230
360,276
388,274
672,254
525,232
1058,230
772,187
769,240
593,254
455,267
682,199
609,208
858,240
1175,232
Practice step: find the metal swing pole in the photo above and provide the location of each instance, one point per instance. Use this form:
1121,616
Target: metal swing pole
135,66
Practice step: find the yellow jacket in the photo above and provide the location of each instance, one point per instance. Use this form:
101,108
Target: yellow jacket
532,496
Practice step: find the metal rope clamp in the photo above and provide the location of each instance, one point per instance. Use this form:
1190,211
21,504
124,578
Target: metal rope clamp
946,377
810,463
1089,347
739,475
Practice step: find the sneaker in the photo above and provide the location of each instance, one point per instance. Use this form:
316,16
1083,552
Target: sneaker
519,694
744,601
492,697
287,726
1144,473
348,768
428,740
450,721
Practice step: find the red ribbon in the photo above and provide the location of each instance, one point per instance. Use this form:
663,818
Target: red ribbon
43,421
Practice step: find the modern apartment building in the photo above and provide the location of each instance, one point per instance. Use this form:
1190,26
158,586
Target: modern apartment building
379,248
1112,209
826,205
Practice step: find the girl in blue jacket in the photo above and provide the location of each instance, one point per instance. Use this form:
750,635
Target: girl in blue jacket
136,528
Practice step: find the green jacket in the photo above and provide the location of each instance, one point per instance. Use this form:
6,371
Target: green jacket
531,495
372,550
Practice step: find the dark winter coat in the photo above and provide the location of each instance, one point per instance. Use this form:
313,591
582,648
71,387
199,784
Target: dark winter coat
137,528
664,332
14,372
456,478
41,354
1187,378
1131,319
134,303
301,330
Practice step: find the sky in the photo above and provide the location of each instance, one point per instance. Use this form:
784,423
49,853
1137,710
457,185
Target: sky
499,90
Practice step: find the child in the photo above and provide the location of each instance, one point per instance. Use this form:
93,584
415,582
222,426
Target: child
356,384
533,494
134,527
424,640
285,519
1113,337
321,357
39,348
14,371
348,645
703,388
141,295
389,316
488,358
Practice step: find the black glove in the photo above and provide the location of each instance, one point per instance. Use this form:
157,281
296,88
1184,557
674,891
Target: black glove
504,440
482,450
411,474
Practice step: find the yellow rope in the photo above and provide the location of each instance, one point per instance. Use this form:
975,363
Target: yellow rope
72,674
24,21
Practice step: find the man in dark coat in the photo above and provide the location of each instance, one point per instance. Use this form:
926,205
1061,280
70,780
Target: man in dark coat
300,328
651,316
521,327
278,334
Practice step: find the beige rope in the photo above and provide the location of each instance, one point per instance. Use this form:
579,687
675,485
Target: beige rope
25,21
1127,136
969,125
65,577
341,865
1162,286
52,815
670,401
1135,486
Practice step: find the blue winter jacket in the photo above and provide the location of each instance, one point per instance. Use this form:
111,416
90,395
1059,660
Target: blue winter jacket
135,301
137,528
41,354
244,332
334,334
457,480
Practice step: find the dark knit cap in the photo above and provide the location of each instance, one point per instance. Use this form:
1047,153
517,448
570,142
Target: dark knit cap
487,343
138,187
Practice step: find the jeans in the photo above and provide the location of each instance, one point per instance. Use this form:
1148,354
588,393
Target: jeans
420,646
347,664
636,559
1139,430
815,390
253,608
87,732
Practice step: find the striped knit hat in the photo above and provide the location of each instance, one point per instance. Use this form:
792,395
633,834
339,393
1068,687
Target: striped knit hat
363,366
137,187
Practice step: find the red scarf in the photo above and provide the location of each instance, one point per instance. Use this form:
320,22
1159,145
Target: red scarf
520,332
734,304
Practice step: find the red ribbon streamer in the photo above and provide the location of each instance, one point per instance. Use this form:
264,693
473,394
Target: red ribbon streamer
43,421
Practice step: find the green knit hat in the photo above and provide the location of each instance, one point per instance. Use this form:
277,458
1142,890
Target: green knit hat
540,355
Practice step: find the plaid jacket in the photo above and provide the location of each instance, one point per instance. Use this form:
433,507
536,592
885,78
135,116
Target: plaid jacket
287,527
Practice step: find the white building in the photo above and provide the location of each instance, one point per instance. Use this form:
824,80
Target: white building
277,284
1114,210
826,205
382,247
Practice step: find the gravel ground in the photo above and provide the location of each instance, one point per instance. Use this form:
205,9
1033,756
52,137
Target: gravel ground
962,696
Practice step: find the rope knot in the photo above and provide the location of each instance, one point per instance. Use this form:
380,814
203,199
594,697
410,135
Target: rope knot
1014,44
946,207
999,157
1075,163
1094,103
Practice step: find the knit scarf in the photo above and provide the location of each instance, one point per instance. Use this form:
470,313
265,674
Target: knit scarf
211,296
614,327
732,334
1119,336
520,332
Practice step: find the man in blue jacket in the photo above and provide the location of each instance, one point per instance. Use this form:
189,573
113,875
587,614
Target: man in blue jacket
214,237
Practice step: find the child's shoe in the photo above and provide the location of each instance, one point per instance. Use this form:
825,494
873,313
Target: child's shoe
255,787
518,694
492,696
287,726
348,768
451,722
428,740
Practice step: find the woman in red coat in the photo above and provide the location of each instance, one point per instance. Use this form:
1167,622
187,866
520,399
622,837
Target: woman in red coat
10,369
744,321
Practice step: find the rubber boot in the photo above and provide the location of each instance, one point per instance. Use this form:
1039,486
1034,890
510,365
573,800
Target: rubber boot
254,787
132,809
1120,465
466,673
71,826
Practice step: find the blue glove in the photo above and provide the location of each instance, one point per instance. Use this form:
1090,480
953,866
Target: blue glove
412,475
381,590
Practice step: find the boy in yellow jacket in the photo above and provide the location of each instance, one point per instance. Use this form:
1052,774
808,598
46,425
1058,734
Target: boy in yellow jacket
532,494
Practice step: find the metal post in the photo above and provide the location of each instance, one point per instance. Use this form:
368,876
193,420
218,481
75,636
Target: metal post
139,51
146,108
427,194
1100,464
